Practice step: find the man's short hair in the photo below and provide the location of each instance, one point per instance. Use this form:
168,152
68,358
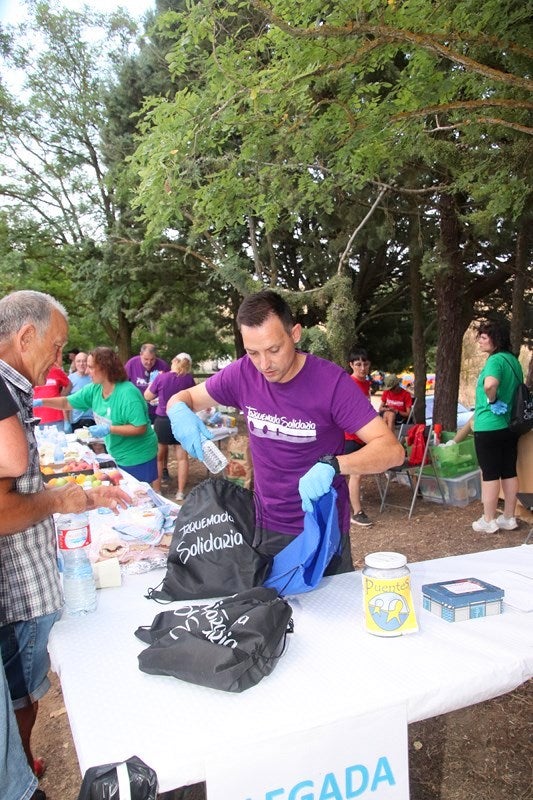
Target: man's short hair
256,308
27,307
148,348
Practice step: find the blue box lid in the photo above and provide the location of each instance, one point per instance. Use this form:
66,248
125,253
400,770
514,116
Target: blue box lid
462,592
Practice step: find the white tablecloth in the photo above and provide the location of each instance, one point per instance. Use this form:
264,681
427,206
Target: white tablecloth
332,669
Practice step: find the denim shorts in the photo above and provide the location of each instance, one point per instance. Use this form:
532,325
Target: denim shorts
24,647
17,781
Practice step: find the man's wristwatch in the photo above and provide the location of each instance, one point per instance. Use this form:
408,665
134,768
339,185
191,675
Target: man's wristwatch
332,461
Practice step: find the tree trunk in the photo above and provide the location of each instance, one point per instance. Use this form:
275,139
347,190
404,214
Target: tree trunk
417,337
452,320
340,320
122,337
520,284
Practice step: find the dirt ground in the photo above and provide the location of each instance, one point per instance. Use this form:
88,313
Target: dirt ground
478,753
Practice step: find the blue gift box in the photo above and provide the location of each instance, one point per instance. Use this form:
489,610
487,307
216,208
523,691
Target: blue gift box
464,598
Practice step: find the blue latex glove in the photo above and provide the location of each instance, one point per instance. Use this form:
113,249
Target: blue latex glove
99,431
498,408
153,375
188,429
37,402
316,482
67,427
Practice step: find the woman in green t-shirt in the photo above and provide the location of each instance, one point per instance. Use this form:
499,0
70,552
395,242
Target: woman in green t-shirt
120,414
496,446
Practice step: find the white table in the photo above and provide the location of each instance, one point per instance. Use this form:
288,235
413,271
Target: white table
331,670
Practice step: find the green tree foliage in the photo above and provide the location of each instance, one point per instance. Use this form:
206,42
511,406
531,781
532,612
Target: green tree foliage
305,111
65,139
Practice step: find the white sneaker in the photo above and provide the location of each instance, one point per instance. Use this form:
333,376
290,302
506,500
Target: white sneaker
482,526
507,523
180,496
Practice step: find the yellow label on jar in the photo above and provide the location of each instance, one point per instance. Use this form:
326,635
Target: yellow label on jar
388,606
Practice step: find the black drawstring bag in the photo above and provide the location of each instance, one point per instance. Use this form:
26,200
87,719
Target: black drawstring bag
211,553
127,780
522,406
230,645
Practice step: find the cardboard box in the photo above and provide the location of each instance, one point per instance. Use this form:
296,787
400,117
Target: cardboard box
465,598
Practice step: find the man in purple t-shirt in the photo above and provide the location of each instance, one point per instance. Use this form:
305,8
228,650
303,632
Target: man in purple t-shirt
297,408
142,369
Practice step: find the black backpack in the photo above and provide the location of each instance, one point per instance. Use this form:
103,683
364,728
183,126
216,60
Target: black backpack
522,409
211,553
230,645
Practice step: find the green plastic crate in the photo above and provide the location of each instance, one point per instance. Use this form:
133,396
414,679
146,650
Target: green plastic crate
456,459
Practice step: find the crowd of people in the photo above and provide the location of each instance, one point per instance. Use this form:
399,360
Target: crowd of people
101,394
329,438
495,444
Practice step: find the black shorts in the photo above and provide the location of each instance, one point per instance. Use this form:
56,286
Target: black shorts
496,453
272,542
163,431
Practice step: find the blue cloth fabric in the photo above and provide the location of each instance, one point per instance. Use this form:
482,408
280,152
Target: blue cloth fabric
299,567
78,382
17,781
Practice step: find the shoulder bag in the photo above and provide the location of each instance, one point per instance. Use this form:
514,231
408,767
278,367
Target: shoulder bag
522,408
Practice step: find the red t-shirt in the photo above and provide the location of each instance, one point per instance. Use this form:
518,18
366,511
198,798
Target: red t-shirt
397,401
56,380
365,388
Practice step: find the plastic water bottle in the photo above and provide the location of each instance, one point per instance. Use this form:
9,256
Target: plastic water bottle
59,455
74,536
214,460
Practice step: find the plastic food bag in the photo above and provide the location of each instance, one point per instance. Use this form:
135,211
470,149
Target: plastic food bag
128,780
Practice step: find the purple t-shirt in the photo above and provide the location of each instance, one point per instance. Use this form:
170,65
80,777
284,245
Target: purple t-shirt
140,376
290,426
165,385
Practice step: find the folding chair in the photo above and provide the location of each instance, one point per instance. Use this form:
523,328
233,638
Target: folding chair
413,473
527,501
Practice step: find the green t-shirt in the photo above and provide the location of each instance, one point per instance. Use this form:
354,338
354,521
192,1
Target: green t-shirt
506,368
125,405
